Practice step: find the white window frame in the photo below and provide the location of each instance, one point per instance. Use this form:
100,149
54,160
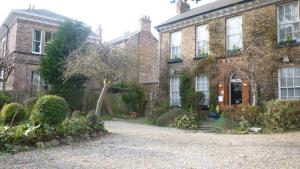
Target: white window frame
286,86
203,79
174,47
202,37
174,91
34,41
239,46
286,23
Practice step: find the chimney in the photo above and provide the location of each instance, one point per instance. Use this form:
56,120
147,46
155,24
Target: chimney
145,24
182,6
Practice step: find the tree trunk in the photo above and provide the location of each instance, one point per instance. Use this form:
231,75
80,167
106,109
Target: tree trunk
106,85
254,92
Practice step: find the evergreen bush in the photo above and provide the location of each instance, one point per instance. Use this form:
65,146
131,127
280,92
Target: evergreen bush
50,110
12,112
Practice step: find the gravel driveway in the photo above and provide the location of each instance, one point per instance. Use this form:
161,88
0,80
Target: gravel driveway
137,146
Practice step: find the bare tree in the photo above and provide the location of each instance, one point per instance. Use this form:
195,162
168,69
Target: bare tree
98,61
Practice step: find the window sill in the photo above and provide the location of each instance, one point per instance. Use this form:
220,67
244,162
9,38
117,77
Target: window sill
175,61
200,57
285,44
232,53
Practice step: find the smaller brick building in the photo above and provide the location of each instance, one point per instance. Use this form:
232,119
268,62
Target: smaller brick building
141,46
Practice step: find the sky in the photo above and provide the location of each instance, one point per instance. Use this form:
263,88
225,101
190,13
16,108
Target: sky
115,16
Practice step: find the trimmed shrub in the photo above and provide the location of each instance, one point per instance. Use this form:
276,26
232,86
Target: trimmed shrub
167,118
3,99
282,114
13,112
50,110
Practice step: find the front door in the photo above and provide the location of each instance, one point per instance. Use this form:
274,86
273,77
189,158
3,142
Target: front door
235,90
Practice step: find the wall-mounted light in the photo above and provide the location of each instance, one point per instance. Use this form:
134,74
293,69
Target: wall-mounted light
220,85
245,84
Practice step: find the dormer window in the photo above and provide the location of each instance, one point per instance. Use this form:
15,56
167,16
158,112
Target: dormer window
234,38
288,23
175,46
37,41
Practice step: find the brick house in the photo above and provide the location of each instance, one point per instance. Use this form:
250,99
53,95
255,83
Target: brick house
228,31
141,45
24,35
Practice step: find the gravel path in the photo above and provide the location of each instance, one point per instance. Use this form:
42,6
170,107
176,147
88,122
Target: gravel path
136,146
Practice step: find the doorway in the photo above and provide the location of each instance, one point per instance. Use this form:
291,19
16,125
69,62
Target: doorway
235,89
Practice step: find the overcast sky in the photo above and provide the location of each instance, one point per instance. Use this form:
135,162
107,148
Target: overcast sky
115,16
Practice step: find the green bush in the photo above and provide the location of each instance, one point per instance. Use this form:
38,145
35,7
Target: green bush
3,99
282,114
167,118
135,97
185,122
50,110
247,113
12,112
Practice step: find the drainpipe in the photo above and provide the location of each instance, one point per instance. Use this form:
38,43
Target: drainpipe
6,51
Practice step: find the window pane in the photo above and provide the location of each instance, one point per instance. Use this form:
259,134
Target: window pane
290,93
282,33
290,82
281,13
37,35
282,82
48,37
297,92
283,93
297,81
202,33
36,47
35,78
288,12
176,39
297,71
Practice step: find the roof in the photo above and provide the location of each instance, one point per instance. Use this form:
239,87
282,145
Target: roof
42,13
203,9
124,37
